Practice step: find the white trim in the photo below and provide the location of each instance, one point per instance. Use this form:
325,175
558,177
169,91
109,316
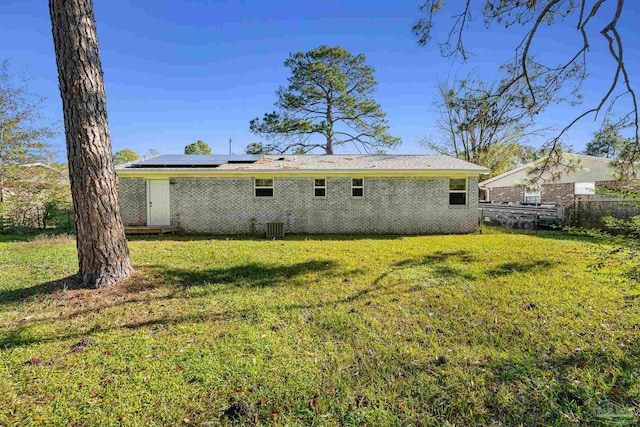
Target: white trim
357,186
324,187
212,172
465,192
272,187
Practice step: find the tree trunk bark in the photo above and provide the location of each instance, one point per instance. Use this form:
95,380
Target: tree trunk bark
328,148
103,255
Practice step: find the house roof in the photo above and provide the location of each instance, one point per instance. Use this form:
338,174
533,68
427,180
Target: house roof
301,164
192,160
589,169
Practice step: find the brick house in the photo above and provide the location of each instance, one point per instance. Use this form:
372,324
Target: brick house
571,185
386,194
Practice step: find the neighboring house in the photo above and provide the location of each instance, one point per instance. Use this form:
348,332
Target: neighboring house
388,194
571,185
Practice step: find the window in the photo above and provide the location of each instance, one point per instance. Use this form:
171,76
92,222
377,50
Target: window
532,196
585,188
457,191
357,187
263,187
320,187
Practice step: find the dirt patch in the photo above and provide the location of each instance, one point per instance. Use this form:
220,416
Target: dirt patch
69,296
362,401
241,410
82,345
46,241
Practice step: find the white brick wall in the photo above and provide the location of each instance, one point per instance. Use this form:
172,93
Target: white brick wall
390,206
133,200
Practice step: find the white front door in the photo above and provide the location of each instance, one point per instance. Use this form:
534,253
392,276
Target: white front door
158,202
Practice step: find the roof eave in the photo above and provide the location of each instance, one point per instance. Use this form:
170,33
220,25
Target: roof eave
212,172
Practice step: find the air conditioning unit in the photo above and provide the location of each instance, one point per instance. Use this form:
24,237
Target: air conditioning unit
275,230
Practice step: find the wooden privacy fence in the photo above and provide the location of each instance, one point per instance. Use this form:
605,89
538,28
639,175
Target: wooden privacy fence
589,213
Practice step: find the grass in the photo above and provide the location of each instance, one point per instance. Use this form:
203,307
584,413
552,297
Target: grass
494,329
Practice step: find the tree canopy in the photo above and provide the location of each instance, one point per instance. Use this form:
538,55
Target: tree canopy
125,155
23,138
543,81
327,103
199,147
475,127
606,143
256,148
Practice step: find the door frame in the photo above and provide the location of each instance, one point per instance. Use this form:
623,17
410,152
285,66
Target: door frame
148,182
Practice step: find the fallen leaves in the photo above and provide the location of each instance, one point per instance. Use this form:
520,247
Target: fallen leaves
35,361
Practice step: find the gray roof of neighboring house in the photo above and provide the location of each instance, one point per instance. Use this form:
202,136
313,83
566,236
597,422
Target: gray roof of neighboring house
589,169
312,162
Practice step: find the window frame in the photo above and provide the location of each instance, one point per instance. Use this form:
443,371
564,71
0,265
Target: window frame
264,187
357,186
317,187
465,192
532,193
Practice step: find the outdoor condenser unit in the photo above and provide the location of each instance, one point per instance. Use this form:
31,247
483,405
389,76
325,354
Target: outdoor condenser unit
275,230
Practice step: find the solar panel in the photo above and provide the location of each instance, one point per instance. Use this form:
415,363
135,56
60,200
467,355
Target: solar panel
194,160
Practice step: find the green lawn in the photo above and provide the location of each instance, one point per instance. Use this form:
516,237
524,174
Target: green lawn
489,329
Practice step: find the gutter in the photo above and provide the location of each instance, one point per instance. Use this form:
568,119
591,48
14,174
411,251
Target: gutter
209,172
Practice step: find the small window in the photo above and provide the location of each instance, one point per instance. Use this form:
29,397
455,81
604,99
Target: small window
585,188
357,187
532,196
320,187
263,187
457,191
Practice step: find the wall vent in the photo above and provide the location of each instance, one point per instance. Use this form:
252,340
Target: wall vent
275,230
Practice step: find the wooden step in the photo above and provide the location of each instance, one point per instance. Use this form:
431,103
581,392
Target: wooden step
158,229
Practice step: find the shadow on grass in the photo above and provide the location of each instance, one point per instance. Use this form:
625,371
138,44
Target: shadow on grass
132,291
247,275
508,268
21,294
551,233
526,374
21,335
440,257
441,264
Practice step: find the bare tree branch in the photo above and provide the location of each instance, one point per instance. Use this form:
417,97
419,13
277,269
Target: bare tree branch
546,84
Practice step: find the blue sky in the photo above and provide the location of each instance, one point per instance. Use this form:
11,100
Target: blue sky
181,70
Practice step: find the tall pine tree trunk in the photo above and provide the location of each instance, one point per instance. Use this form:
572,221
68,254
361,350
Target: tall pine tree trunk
328,148
103,254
